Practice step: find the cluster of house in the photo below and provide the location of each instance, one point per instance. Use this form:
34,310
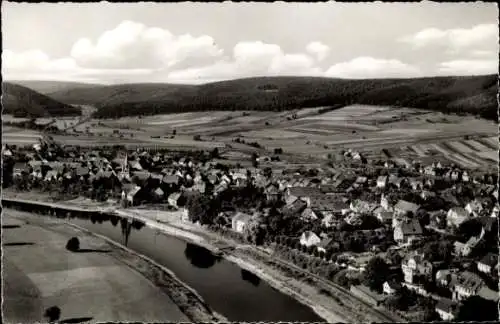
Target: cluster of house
461,284
324,198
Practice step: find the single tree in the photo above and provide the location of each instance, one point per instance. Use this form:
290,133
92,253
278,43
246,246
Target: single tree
376,273
468,311
73,244
52,314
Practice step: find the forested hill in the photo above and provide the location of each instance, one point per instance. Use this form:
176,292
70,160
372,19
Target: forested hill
475,95
24,102
49,87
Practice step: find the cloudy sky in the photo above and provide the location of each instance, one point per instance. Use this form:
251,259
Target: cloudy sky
202,42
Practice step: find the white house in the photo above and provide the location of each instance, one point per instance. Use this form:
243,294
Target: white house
456,216
308,214
173,198
309,239
131,194
487,263
465,176
384,203
495,211
381,181
390,287
414,265
240,221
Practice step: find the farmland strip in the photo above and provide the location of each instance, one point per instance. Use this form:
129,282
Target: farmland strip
478,146
486,142
466,161
460,147
470,146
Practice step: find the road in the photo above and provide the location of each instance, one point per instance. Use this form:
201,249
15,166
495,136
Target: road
92,287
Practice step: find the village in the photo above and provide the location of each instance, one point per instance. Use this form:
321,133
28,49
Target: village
414,237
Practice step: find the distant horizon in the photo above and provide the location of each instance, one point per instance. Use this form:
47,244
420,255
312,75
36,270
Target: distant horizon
252,77
198,43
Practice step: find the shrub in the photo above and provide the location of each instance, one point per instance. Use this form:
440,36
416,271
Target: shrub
52,313
73,244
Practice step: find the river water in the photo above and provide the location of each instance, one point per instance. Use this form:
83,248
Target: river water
231,291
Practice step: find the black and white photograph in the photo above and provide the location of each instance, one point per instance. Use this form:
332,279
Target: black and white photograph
211,162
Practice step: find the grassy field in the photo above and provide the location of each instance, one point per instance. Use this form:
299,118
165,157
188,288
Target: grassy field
96,286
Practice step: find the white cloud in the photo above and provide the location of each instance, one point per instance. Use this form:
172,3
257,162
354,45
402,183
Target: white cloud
318,49
135,52
468,67
484,53
134,45
252,59
484,36
26,60
368,67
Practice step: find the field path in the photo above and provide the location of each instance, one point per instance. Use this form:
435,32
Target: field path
41,273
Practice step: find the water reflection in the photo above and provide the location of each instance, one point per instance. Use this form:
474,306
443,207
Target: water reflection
200,257
127,226
250,277
244,297
114,220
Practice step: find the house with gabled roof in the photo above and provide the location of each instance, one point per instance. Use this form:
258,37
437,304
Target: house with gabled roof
390,287
407,231
384,216
415,266
308,214
323,245
447,309
158,193
129,193
174,199
309,238
467,284
20,168
487,263
135,165
272,192
240,221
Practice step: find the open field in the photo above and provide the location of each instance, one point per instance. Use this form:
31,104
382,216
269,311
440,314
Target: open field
95,285
368,129
21,137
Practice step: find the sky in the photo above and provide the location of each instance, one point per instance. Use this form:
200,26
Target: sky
204,42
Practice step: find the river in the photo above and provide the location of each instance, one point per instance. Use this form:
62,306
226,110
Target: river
229,290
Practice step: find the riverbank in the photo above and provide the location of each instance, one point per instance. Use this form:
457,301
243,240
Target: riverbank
201,236
325,299
95,285
334,304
